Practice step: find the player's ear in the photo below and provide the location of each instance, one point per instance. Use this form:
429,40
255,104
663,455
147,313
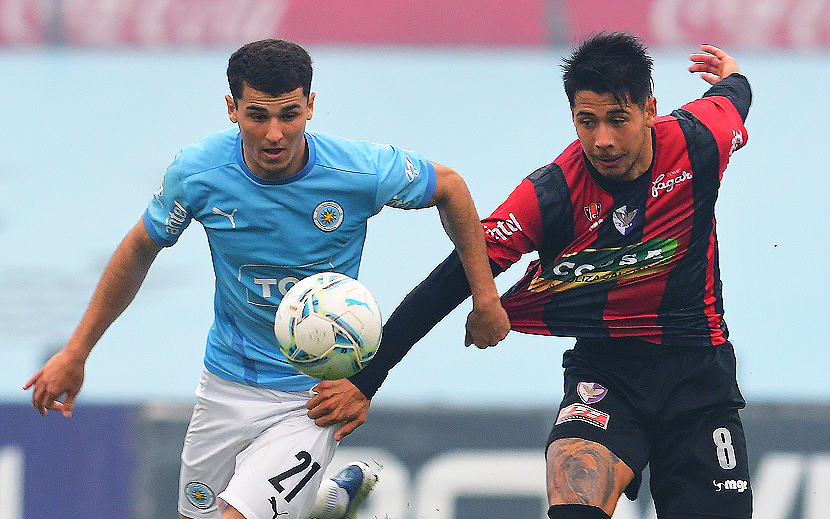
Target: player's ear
651,111
310,106
231,108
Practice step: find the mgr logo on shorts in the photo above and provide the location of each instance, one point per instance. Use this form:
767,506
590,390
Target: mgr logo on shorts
583,413
200,495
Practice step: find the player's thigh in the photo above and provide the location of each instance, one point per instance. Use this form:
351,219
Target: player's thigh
584,472
597,447
211,444
280,472
701,469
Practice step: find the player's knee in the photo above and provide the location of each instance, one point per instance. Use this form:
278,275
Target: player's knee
576,512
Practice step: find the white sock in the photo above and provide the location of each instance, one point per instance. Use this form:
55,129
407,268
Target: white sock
332,501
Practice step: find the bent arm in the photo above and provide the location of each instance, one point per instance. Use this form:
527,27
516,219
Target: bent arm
487,324
63,373
442,291
721,70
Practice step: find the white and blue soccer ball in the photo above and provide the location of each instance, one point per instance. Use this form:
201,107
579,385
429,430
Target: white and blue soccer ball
328,326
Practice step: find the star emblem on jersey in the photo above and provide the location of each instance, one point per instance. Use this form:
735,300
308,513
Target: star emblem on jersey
590,392
328,216
625,218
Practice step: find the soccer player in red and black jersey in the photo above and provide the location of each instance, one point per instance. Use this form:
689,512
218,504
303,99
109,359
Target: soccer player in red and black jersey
624,225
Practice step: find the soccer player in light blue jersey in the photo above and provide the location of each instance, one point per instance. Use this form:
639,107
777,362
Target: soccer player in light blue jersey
278,203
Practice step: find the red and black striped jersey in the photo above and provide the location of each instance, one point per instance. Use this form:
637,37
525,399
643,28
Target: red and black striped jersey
616,259
626,259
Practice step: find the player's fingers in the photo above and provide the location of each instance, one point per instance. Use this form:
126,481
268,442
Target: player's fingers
32,381
347,429
711,49
66,406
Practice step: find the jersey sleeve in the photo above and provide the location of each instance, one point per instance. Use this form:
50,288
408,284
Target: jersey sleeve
722,111
515,227
167,214
406,180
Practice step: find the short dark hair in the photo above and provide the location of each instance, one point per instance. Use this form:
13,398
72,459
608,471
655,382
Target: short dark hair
271,66
617,63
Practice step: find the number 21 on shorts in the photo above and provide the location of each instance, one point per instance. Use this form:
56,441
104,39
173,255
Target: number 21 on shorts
305,464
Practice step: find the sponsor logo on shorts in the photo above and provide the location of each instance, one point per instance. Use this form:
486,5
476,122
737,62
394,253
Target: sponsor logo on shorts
738,485
583,413
200,495
328,216
590,392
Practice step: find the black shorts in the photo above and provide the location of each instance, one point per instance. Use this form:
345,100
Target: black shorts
673,409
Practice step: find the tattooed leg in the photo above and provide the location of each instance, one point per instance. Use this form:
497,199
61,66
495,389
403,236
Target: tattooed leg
584,472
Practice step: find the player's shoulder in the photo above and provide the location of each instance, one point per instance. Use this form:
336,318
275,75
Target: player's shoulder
215,150
336,152
571,160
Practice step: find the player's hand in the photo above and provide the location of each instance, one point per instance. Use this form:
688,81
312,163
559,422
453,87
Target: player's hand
714,65
338,401
62,375
487,325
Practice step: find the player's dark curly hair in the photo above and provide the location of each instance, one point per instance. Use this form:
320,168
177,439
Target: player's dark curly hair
616,63
271,66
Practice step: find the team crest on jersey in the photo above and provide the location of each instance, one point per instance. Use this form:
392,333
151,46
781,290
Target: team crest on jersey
328,216
592,211
590,392
200,495
625,218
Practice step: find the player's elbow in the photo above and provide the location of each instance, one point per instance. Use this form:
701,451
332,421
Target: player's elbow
448,184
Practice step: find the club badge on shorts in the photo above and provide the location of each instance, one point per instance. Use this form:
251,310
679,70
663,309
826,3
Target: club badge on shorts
200,495
590,392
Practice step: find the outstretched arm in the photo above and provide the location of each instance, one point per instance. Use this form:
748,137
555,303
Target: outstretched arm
714,64
721,71
487,323
63,374
467,270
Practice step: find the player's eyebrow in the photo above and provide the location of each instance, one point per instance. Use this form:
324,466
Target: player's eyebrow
283,109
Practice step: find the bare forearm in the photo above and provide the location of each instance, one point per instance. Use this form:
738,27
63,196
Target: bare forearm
117,288
460,220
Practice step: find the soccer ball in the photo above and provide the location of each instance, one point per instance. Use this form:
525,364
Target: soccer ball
328,326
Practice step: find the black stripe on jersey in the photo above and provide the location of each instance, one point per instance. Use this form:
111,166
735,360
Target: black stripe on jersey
556,206
686,283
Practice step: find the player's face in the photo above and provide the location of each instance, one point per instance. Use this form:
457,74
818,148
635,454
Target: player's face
616,138
273,130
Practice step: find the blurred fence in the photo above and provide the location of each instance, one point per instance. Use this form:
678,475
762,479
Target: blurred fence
444,463
790,24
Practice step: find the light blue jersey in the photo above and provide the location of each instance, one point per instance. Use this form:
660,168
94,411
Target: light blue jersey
265,235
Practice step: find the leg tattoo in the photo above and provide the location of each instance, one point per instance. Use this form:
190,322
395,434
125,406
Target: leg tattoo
584,472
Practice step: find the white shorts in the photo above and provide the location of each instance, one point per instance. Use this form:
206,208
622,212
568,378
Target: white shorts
253,448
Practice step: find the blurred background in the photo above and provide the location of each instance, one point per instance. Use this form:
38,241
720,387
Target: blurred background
103,94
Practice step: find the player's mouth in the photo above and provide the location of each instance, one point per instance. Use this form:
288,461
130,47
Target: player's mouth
273,153
608,162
